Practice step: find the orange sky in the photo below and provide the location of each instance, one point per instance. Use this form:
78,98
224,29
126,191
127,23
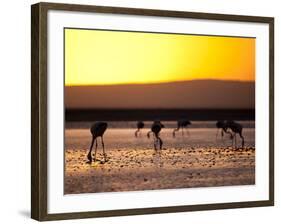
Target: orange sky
94,57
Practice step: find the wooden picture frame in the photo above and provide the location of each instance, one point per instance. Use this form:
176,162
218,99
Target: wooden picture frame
39,109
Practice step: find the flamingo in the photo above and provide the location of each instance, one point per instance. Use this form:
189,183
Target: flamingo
155,129
97,130
236,128
140,125
222,125
181,125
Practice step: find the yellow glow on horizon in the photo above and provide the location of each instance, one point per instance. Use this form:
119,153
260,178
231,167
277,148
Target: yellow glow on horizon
94,57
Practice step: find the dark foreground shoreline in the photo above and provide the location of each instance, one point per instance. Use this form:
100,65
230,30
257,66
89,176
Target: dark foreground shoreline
158,114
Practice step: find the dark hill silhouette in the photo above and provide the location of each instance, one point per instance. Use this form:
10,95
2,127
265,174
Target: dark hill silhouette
195,94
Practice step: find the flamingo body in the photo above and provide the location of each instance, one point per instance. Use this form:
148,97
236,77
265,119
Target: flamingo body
97,130
181,124
140,125
156,129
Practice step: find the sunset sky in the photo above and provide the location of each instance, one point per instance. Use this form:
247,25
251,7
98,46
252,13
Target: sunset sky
94,57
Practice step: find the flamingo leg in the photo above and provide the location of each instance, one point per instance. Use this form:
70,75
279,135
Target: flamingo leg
136,133
160,142
241,136
96,149
182,133
90,151
174,132
235,140
222,134
103,150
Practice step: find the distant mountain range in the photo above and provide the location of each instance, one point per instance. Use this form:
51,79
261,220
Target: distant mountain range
195,94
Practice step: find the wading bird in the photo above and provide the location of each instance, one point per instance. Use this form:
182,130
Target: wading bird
221,125
236,128
97,130
140,126
181,125
155,129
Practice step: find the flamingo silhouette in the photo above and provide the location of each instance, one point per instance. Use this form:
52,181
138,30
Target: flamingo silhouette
155,129
236,128
97,130
140,125
222,125
181,125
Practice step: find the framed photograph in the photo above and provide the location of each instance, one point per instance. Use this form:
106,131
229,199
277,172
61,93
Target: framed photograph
141,111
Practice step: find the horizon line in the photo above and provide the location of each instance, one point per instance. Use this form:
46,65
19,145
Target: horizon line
161,82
